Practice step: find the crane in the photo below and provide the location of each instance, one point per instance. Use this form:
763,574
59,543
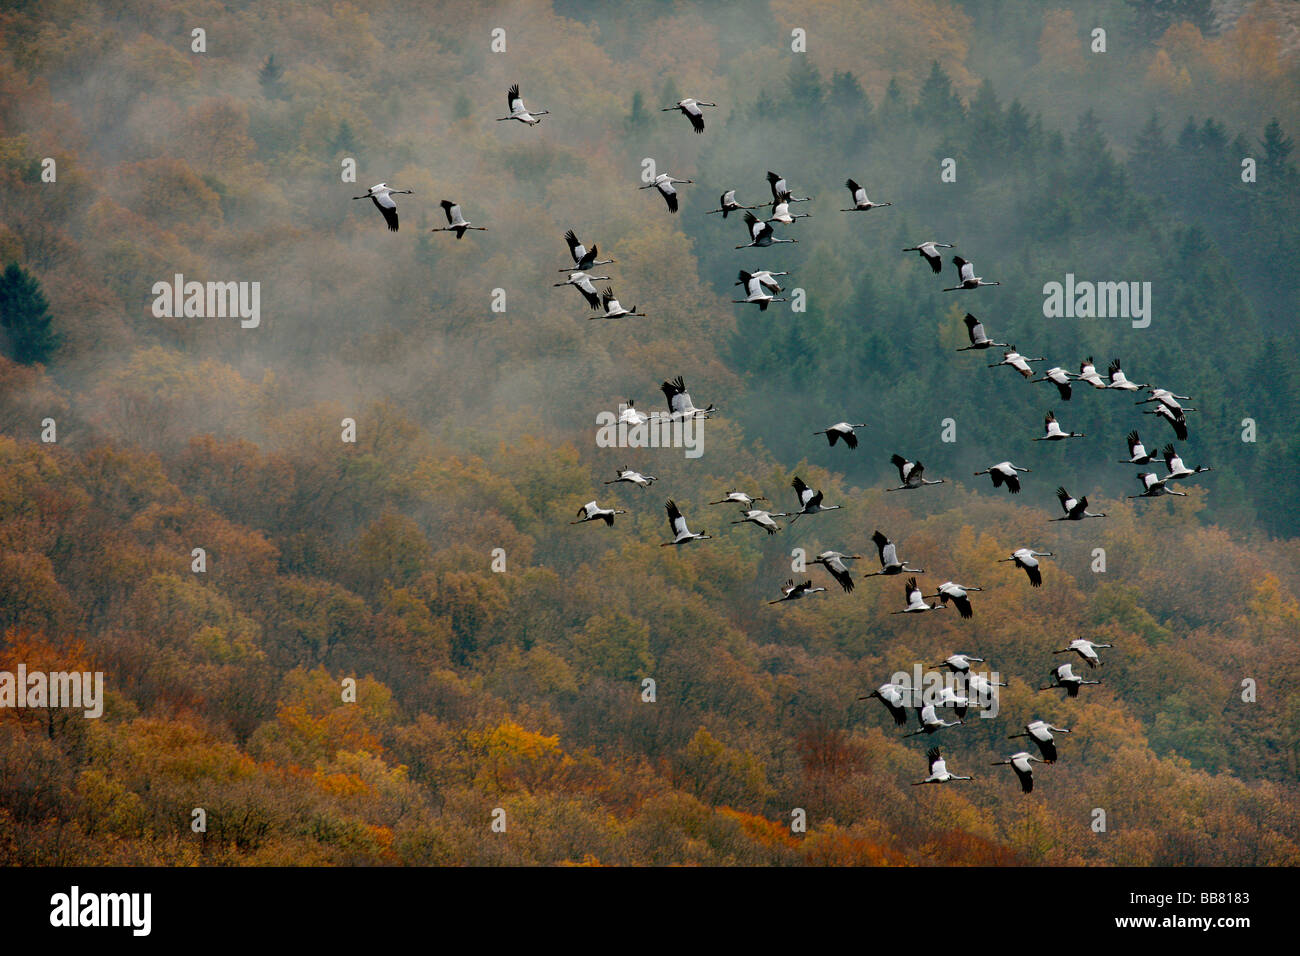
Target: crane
860,201
938,770
594,512
1022,763
520,112
966,277
1027,559
664,183
690,108
1076,509
794,592
382,196
841,431
1040,732
456,221
929,251
1004,473
889,562
978,340
681,533
810,502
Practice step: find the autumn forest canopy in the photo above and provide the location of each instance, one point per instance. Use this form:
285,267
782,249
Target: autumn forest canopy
498,653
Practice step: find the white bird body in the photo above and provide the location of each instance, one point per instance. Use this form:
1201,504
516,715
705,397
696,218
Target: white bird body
1137,452
1166,398
841,431
1040,732
1064,678
760,517
793,592
757,293
781,211
781,188
939,772
681,533
680,406
1119,380
1017,361
966,277
760,233
1178,470
1027,560
583,258
766,276
727,203
520,112
980,688
959,663
889,561
594,512
929,251
382,196
456,221
690,108
1023,764
916,600
931,721
810,502
738,498
911,474
978,339
665,184
633,477
1052,430
584,283
1154,487
957,594
896,698
1058,377
613,309
836,563
1076,509
1086,649
862,204
1088,373
1004,473
630,416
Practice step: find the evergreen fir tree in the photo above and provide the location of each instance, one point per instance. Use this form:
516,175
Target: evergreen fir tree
25,318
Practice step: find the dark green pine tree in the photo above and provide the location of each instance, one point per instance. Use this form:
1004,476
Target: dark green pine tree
344,140
25,318
1277,148
270,76
938,104
1150,147
638,117
893,108
806,87
1016,132
986,124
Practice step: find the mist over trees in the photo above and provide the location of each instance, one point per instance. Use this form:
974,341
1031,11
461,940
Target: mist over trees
523,689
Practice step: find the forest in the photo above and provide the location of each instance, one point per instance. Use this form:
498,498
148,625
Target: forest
382,643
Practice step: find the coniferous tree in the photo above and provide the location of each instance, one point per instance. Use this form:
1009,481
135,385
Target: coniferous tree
25,317
271,77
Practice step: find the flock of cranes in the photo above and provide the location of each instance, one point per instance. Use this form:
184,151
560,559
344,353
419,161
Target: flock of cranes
964,687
